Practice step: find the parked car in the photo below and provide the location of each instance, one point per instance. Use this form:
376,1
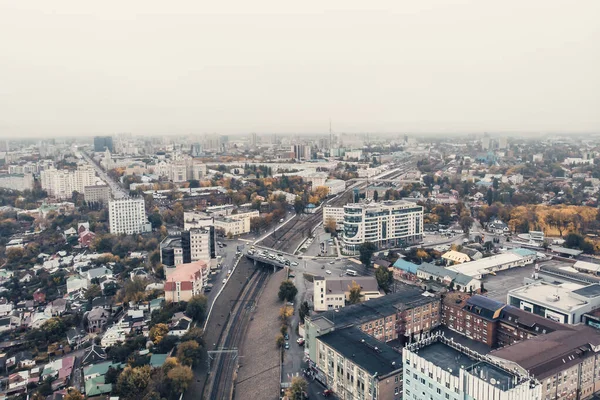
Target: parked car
287,345
286,336
328,272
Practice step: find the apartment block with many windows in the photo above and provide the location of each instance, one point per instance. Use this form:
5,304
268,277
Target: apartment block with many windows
128,216
387,224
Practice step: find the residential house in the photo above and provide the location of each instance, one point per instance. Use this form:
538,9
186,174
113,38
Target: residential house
93,355
497,227
180,325
455,257
76,283
97,319
56,308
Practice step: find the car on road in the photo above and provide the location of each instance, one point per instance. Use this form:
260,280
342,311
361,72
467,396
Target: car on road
328,272
300,341
286,336
331,262
291,304
287,345
224,280
294,264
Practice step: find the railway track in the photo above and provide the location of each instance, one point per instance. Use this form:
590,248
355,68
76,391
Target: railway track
221,385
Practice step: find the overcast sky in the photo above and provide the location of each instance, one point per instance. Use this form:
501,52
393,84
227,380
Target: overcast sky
89,67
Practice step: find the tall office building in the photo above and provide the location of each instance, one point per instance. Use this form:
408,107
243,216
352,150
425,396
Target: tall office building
102,143
253,141
61,183
387,224
128,216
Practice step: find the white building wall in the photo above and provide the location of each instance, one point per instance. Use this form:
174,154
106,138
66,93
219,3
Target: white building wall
128,216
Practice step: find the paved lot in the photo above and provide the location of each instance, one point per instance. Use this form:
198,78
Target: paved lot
498,286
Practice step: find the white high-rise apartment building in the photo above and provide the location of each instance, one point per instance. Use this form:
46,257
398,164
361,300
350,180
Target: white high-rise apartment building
61,183
128,216
387,224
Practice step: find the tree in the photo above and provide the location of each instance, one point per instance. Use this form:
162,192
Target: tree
466,222
287,291
490,196
330,225
195,334
179,378
189,353
196,308
354,296
299,205
366,251
303,311
133,381
285,312
92,292
384,277
298,388
74,394
158,332
279,341
283,329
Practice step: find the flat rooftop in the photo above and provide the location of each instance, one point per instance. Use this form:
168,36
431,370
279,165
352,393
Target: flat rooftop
445,357
553,296
492,374
363,350
484,265
406,297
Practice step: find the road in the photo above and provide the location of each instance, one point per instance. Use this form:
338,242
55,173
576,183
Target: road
117,191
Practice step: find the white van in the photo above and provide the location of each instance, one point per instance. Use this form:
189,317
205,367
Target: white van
351,272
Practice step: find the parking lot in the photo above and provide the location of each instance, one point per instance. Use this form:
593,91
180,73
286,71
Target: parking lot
498,286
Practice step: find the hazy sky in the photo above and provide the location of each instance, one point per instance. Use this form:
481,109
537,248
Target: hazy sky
88,67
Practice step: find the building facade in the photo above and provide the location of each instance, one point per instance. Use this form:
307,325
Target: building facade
19,182
128,216
235,224
334,293
334,213
185,281
97,194
387,224
438,368
355,366
61,184
101,143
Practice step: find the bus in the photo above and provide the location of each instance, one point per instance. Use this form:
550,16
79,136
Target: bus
351,272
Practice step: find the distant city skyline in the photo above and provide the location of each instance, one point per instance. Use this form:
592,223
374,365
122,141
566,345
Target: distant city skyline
153,68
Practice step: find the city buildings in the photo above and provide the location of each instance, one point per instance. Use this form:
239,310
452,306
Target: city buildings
102,143
409,312
565,302
456,280
193,219
18,182
439,368
356,366
128,216
185,281
334,213
235,224
333,293
566,362
386,224
61,184
511,259
97,194
335,186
